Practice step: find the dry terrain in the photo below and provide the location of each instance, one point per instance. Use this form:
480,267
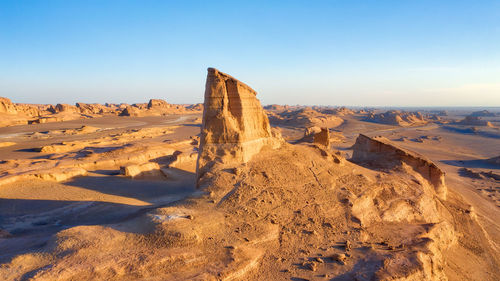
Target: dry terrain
230,190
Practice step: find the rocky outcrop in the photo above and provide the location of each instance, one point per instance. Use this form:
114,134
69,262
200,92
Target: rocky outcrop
234,126
322,137
380,151
60,107
6,106
474,121
304,117
158,103
94,108
397,118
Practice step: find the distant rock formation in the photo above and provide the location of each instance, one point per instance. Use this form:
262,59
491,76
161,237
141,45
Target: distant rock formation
157,103
304,117
397,118
494,160
235,126
474,121
380,151
483,113
63,108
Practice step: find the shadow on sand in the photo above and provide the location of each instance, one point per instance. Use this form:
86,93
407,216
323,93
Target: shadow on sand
33,222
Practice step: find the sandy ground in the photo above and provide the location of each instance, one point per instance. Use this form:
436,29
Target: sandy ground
33,211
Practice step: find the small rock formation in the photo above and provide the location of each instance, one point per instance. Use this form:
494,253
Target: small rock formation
309,133
158,103
322,137
131,111
138,169
234,126
380,151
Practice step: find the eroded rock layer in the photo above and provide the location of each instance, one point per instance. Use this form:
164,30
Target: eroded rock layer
235,126
380,151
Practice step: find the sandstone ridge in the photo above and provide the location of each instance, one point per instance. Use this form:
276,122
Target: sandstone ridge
381,152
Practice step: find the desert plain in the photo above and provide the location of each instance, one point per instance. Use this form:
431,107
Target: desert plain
233,190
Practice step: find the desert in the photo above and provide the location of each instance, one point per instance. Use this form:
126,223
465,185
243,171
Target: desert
249,140
229,190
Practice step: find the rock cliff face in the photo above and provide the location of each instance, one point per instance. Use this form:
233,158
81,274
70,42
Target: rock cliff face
234,126
380,151
6,106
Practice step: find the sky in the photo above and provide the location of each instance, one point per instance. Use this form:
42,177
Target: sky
353,53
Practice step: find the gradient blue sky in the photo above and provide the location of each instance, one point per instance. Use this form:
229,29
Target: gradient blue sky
386,53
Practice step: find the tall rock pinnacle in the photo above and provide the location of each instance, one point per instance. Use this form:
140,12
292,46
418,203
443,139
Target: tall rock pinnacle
234,127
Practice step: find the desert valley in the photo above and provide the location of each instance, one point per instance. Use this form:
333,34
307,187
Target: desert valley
233,190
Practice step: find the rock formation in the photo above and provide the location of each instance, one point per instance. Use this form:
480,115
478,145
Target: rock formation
157,103
380,151
322,137
474,121
304,117
234,126
397,118
6,106
63,108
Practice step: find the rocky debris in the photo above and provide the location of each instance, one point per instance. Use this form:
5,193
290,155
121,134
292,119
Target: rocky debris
234,126
322,137
397,118
474,121
380,151
139,169
6,106
341,258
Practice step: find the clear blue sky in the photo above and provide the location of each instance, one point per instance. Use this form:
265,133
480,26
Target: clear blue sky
390,53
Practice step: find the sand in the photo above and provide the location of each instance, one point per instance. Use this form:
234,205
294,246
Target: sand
285,215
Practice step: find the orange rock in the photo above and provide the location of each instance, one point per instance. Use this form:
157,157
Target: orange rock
235,126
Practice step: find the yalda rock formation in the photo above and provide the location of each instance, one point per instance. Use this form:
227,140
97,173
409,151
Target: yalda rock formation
265,209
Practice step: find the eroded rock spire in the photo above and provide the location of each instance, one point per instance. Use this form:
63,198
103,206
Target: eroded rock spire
234,126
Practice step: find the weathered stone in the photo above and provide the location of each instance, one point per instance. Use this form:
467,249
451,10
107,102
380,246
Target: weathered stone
6,106
322,137
234,126
381,151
